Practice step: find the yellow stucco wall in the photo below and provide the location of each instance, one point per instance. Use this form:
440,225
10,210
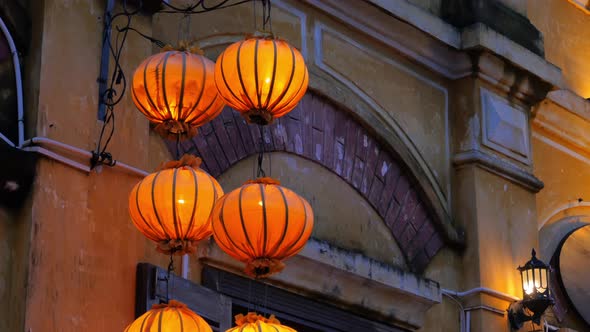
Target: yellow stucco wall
82,244
565,30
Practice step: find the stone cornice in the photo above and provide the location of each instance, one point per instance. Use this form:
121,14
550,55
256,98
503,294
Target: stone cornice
361,282
446,50
500,167
564,116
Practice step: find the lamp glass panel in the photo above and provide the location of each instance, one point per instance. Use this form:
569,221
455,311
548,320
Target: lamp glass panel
528,285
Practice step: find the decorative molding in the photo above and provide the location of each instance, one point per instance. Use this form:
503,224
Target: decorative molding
360,282
436,46
302,23
404,37
510,64
583,5
500,167
496,15
564,117
505,128
444,195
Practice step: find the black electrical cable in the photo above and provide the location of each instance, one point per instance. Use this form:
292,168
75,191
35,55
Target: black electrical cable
201,4
115,92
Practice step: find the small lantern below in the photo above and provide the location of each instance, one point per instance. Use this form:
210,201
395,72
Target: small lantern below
536,298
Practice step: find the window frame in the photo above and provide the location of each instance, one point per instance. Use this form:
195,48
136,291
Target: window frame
214,300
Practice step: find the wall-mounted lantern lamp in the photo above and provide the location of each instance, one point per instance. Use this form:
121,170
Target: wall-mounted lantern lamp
536,296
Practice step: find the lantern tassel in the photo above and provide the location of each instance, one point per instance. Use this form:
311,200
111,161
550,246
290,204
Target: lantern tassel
263,267
170,304
260,116
177,247
172,129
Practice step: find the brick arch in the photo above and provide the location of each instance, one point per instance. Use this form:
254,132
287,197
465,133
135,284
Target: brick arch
320,131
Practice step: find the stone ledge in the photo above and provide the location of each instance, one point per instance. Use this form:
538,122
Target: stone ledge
497,16
500,167
349,280
565,116
481,36
438,45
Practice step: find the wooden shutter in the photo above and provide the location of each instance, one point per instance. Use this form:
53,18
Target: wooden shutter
151,289
290,307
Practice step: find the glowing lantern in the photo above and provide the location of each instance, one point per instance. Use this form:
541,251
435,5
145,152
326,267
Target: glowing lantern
176,91
256,323
172,206
260,224
261,77
171,317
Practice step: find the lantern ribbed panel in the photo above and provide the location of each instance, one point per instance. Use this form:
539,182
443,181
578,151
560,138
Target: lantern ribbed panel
174,317
172,207
176,90
262,221
262,78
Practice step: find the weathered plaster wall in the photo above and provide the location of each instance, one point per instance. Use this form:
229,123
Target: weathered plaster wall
565,29
15,226
343,218
565,180
84,248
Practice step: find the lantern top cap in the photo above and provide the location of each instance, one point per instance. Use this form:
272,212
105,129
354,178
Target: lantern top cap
265,35
184,46
186,160
253,317
533,263
264,180
170,304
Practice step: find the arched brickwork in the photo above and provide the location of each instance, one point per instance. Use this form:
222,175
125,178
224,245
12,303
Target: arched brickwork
320,131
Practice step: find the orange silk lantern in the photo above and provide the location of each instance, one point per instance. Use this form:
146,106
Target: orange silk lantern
260,224
261,77
171,317
176,91
172,206
257,323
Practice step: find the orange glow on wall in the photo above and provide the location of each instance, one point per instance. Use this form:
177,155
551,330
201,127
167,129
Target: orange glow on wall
171,317
172,206
263,78
260,224
257,323
176,91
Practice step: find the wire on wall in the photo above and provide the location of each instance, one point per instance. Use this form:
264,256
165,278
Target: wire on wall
112,94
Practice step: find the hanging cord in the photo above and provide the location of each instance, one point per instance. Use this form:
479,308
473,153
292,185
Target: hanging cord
264,308
260,171
178,146
169,276
184,28
266,18
254,14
